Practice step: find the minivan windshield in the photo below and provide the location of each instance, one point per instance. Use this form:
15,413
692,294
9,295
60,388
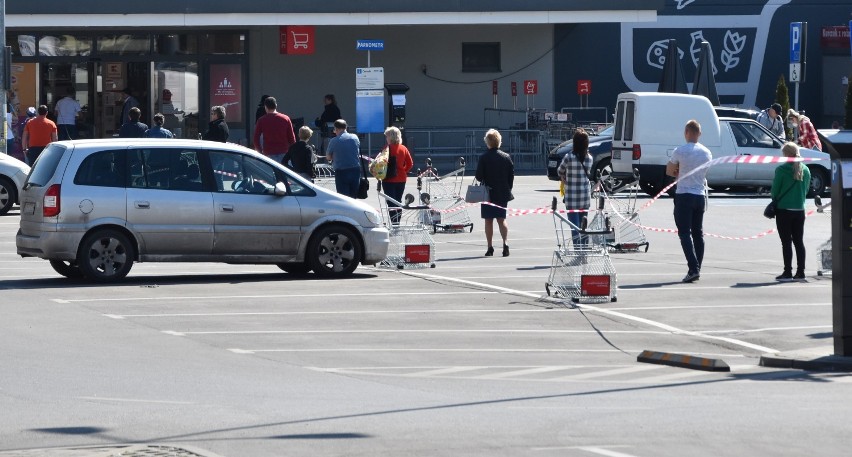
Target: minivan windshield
45,166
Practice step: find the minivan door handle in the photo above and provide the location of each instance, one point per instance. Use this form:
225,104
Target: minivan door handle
142,204
227,208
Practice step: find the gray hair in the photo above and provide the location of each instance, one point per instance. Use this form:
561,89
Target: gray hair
393,135
219,111
493,139
305,133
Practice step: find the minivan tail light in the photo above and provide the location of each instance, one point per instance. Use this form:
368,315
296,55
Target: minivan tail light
52,204
637,152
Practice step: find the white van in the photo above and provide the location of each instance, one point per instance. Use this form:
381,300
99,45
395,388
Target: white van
649,126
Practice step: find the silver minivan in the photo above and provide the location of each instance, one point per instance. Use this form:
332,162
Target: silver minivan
93,207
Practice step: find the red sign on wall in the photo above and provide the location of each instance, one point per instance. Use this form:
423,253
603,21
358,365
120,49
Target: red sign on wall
584,87
226,84
296,39
531,87
514,89
494,87
834,37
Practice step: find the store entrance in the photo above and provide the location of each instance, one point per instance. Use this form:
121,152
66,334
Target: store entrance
111,79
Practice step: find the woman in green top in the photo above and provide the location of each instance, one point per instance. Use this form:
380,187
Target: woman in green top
789,188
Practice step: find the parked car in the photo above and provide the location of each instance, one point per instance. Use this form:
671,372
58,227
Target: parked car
742,113
600,147
649,126
94,207
13,173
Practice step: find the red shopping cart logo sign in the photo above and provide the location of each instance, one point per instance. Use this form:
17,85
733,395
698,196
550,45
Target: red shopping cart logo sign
595,285
584,87
296,39
417,253
531,87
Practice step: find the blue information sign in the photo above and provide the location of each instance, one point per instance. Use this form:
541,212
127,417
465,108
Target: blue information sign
370,45
370,111
795,42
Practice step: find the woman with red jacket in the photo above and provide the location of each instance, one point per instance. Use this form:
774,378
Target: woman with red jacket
399,164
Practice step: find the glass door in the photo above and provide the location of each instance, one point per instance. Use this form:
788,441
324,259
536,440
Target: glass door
60,80
111,81
175,90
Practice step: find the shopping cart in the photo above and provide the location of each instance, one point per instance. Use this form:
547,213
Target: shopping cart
629,235
582,272
411,245
324,176
443,195
824,250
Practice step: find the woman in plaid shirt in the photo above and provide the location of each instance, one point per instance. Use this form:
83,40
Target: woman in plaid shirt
808,138
574,173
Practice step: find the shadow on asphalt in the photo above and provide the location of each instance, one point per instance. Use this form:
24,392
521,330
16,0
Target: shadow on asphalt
148,281
820,336
656,284
754,285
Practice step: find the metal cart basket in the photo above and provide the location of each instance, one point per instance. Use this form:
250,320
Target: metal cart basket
582,272
411,245
443,193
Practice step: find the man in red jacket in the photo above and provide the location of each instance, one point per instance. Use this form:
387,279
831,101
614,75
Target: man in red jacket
273,133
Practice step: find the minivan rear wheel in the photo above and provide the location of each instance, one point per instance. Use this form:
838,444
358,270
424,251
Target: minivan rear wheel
66,268
105,255
334,251
8,195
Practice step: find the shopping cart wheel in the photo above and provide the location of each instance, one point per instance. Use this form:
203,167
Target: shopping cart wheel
471,228
547,288
819,273
432,265
614,299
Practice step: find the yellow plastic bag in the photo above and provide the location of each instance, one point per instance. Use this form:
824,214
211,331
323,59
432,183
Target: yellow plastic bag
561,188
379,165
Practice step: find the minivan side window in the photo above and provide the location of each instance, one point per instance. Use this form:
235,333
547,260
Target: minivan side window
240,173
629,111
102,169
619,122
45,166
165,169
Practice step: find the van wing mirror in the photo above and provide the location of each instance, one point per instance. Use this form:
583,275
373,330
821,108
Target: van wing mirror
280,189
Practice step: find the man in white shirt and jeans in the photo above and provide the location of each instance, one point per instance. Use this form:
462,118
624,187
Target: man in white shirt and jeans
67,110
690,197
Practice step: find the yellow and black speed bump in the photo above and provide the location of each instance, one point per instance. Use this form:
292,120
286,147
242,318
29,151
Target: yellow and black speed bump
683,361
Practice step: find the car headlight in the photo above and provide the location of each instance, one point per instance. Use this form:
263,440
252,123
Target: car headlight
373,217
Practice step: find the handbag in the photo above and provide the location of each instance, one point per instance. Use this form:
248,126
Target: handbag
772,208
477,193
379,166
364,184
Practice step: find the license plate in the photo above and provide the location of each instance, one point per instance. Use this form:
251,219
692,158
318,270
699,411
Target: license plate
29,208
616,155
552,164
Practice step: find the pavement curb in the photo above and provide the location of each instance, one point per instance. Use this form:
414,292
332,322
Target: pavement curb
816,359
683,361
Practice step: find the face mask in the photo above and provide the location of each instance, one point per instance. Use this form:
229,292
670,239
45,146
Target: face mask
792,124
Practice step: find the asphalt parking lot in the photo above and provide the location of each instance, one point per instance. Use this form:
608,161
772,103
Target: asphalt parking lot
468,358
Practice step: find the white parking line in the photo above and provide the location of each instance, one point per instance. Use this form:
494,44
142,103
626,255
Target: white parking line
691,307
309,313
403,331
670,328
384,349
234,297
135,400
603,374
770,329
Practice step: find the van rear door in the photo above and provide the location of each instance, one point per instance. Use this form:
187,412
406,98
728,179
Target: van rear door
622,140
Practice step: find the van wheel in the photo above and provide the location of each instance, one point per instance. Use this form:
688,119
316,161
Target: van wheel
294,269
8,195
819,179
334,251
68,269
105,256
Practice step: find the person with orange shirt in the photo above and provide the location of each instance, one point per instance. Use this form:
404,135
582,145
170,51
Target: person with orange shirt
399,164
38,133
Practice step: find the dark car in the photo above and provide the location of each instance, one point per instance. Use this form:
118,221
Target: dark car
600,147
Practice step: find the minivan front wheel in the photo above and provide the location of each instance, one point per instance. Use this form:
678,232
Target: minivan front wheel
819,179
334,251
105,256
66,268
8,195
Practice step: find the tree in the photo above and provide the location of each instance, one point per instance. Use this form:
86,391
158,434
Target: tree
782,97
848,123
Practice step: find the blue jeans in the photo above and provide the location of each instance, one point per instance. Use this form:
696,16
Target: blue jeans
689,219
347,180
576,237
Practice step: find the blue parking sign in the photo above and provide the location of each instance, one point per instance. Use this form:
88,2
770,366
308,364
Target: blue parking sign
795,42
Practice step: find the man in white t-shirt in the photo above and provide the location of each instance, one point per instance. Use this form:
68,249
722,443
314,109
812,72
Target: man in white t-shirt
67,110
690,197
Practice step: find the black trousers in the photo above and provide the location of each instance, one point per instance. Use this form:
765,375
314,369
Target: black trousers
791,230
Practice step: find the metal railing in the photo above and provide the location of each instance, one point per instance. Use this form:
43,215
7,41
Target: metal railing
528,148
